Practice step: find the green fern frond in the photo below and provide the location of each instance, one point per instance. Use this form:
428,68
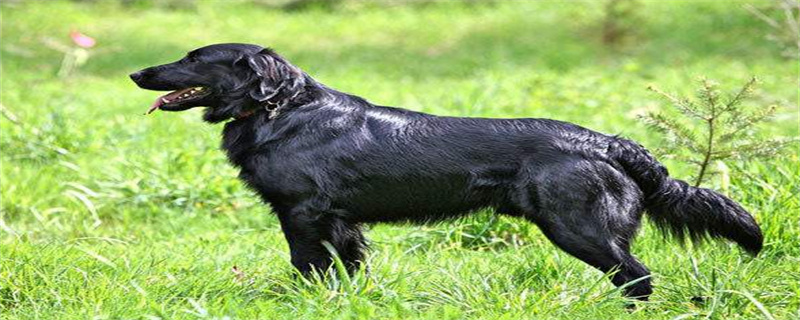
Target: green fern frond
743,93
709,94
742,122
685,106
757,149
674,129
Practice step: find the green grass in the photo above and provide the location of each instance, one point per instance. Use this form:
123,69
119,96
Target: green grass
109,214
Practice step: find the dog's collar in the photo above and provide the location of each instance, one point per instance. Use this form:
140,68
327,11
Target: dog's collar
273,112
271,107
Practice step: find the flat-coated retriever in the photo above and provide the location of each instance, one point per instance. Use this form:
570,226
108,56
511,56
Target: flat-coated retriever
328,161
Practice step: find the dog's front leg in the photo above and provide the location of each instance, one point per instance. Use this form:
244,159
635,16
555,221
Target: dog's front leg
306,228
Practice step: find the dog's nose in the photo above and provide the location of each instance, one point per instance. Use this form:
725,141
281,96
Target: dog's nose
136,76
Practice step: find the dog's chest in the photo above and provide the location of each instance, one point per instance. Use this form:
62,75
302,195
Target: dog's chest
278,176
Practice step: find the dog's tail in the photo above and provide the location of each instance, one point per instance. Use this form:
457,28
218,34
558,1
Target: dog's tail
683,210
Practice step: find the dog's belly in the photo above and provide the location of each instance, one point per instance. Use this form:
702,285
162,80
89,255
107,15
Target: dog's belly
421,198
410,203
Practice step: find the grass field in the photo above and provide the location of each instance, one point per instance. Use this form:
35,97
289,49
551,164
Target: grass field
109,214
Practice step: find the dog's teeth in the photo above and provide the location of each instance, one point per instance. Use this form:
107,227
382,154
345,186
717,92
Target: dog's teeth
185,95
164,100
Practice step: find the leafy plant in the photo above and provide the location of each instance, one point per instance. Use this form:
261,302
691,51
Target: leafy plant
715,128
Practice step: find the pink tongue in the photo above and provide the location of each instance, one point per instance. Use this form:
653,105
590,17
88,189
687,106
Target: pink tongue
169,96
157,104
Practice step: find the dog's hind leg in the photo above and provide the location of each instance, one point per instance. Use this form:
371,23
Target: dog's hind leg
605,255
307,228
592,212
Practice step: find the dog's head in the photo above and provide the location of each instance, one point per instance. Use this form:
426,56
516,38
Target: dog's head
230,79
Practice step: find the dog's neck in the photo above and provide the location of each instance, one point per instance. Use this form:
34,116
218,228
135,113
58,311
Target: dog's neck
272,108
272,112
281,101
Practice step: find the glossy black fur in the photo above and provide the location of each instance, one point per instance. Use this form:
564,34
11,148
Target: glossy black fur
330,161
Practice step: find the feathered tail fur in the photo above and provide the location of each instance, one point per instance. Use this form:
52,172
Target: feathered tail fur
683,210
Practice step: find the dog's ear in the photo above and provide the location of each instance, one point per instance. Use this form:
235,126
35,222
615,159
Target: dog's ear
278,80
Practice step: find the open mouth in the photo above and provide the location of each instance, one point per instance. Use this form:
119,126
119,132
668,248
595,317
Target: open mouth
174,100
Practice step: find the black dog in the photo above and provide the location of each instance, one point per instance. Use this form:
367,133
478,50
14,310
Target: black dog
327,161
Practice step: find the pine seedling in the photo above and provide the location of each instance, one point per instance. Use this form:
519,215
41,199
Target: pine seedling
712,128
